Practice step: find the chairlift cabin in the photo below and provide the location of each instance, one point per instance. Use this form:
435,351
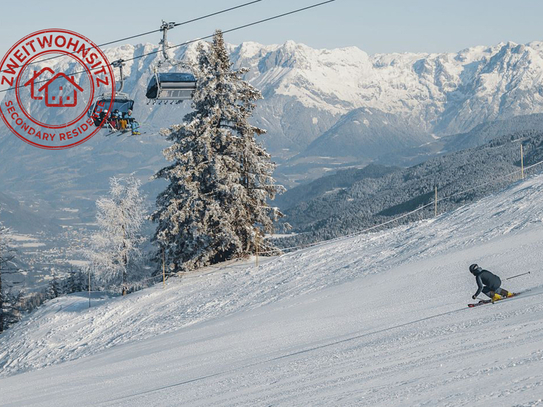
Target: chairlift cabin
171,86
121,102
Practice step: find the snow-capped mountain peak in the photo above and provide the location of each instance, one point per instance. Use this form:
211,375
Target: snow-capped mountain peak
440,93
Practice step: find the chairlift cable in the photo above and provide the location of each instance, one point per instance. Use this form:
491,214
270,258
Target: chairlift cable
241,27
206,37
214,14
154,31
277,16
232,29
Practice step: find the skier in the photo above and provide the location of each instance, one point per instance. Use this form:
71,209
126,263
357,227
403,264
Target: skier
488,283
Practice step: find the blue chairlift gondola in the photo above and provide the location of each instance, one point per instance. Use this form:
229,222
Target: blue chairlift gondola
171,86
118,107
122,103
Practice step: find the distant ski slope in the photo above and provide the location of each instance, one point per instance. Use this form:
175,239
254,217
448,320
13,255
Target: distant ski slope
374,320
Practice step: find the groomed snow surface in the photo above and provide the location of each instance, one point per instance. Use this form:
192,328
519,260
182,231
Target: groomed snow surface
375,320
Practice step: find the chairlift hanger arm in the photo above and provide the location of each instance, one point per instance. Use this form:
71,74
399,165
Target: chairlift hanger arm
119,64
164,42
165,26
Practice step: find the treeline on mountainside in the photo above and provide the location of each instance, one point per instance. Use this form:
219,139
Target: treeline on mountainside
23,302
341,179
15,301
479,171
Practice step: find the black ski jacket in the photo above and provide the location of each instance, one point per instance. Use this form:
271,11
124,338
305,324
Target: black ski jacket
485,278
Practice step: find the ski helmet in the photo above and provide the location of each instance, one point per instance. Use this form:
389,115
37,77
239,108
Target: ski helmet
473,268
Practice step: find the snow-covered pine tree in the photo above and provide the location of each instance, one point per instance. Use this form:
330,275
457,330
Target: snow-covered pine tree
215,207
75,282
6,255
120,217
54,288
13,307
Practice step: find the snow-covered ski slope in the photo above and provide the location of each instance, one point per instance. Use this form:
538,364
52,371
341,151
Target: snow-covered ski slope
375,320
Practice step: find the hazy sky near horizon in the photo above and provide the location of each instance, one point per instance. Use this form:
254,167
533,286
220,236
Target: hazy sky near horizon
375,27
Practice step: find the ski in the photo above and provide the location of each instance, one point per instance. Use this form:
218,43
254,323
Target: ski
483,302
122,132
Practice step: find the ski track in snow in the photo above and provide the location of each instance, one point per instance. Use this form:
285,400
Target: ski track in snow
377,320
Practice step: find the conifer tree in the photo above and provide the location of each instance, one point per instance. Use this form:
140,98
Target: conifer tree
75,282
13,307
215,206
54,288
120,217
6,255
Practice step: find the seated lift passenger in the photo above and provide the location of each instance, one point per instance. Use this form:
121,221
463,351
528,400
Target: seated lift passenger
133,123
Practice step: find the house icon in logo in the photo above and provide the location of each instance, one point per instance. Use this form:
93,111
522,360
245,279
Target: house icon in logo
56,89
60,99
32,81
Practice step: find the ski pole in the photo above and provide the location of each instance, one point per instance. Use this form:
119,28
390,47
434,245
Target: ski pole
518,275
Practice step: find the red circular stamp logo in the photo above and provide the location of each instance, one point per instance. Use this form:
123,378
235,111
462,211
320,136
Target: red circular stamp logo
52,78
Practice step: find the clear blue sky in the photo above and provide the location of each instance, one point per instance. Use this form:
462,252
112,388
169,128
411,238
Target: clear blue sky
374,26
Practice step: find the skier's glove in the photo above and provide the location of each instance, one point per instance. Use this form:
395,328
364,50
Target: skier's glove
474,297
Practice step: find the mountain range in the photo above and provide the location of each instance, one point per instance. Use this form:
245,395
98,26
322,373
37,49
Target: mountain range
306,91
323,109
